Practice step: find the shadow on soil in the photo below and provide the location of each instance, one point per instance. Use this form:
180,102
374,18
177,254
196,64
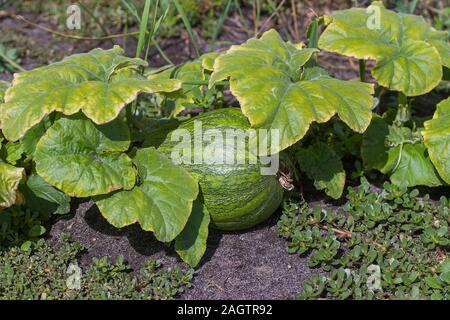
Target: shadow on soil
237,265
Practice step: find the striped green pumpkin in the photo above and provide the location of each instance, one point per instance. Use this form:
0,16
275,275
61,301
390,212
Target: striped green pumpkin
237,196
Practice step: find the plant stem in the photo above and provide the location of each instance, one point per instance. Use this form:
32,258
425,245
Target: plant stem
362,70
205,82
404,110
11,62
221,20
96,20
313,34
152,30
69,36
141,43
313,37
187,25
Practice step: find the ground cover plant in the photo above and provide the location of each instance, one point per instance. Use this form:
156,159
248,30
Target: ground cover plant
42,272
102,126
385,244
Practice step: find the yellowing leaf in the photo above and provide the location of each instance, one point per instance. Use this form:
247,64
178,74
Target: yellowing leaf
268,78
99,83
437,139
409,53
162,202
83,159
208,60
10,178
3,87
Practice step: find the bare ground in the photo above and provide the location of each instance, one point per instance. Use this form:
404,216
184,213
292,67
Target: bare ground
245,265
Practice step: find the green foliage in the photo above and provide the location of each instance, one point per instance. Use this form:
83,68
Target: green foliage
161,202
8,54
65,134
10,177
20,226
42,272
437,139
191,242
194,75
380,245
3,87
321,163
443,19
276,91
99,83
83,159
409,53
43,197
400,152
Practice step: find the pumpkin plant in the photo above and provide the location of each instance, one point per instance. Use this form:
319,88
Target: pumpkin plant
16,188
410,57
10,176
278,88
67,117
69,129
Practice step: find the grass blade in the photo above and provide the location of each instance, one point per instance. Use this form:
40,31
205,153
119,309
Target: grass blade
221,20
143,28
187,25
131,9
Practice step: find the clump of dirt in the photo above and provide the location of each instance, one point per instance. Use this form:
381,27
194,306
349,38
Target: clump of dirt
245,265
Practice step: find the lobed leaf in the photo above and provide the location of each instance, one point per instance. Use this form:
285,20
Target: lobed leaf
267,77
437,139
100,83
409,53
84,159
161,202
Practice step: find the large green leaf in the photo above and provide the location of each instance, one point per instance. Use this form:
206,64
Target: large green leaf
266,76
191,243
415,168
409,53
99,83
41,196
321,164
437,139
10,178
397,152
84,159
161,202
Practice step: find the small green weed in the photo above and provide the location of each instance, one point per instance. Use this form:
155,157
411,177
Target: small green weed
47,272
381,245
